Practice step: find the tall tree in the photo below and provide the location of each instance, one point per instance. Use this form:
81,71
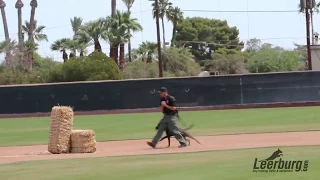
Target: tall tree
113,49
93,31
29,47
4,20
8,47
119,31
5,29
81,43
204,36
113,7
60,45
314,7
38,34
164,6
34,5
74,45
129,4
19,5
174,15
149,48
76,23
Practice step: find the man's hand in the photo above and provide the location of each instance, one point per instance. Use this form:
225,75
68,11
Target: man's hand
164,104
158,126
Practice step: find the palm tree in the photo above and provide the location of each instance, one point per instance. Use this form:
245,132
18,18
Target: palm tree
113,7
117,34
29,48
19,5
93,32
82,43
34,5
149,48
129,4
139,54
314,7
8,47
37,31
4,20
164,6
74,46
5,29
60,45
119,31
76,24
113,50
175,16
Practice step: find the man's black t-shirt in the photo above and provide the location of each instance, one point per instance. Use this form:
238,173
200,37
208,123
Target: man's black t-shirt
171,101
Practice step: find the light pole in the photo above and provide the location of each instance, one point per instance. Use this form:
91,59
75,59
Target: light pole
158,38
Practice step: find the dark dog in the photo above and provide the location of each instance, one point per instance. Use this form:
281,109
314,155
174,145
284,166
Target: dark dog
183,132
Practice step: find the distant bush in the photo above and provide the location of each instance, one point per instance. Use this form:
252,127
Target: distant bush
96,66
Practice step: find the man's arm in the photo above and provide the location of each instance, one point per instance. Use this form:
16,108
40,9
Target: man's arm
173,102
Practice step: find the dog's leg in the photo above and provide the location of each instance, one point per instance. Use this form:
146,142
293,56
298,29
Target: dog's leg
163,138
188,141
168,136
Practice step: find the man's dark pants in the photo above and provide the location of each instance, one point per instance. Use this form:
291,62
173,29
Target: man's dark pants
169,121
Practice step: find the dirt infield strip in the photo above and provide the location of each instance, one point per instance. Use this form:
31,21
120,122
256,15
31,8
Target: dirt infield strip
139,147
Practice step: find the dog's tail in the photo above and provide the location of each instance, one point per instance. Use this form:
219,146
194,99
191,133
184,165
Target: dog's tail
189,127
190,136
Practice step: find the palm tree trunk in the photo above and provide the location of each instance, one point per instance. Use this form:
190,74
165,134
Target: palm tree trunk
20,28
112,47
116,53
71,55
173,39
64,56
31,28
34,5
6,34
113,7
149,58
24,59
81,53
5,24
163,34
97,45
129,48
111,53
312,30
121,59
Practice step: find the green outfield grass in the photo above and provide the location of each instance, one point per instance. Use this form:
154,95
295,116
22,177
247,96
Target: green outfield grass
29,131
220,165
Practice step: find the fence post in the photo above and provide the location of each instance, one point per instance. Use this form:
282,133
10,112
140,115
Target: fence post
241,92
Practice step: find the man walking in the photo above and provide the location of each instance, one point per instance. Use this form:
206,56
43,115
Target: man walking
169,119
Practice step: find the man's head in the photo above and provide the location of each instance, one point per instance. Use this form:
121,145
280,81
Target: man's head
163,92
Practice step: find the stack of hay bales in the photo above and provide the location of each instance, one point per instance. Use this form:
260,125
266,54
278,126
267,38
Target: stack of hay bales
60,131
83,141
63,139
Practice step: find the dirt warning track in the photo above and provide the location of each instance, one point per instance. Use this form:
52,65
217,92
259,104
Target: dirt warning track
139,147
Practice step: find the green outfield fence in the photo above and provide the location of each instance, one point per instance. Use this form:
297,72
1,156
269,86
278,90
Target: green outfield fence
191,91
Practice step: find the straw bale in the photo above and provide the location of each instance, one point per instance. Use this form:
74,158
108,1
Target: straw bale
83,141
60,130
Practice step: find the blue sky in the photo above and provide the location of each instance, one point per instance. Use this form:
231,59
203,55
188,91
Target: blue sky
277,28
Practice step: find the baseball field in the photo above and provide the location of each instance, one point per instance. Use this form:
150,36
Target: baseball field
230,142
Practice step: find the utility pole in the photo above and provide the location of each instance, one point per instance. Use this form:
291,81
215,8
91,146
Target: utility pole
308,6
158,38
